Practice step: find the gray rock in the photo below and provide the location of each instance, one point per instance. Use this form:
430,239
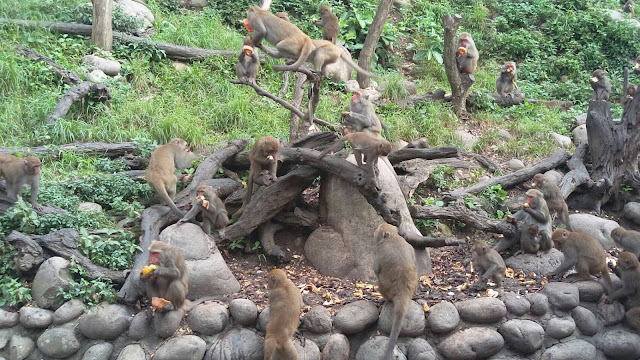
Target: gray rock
68,311
132,352
620,345
443,317
20,347
562,296
531,263
88,206
610,314
308,351
319,339
554,176
559,328
351,86
571,350
106,322
376,346
589,291
337,348
6,334
482,310
167,323
139,327
631,211
180,66
243,311
505,135
595,226
317,320
420,349
585,320
52,276
539,303
97,76
473,343
355,317
413,322
580,135
524,336
137,10
464,138
515,164
516,304
263,320
109,67
189,238
100,351
185,347
208,318
32,317
581,119
58,343
237,344
29,254
8,319
563,141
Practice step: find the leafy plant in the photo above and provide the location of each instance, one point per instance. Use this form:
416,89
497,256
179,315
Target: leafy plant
114,251
90,292
13,292
443,178
494,198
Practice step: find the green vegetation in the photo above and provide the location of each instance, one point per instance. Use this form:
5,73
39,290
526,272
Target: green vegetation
90,292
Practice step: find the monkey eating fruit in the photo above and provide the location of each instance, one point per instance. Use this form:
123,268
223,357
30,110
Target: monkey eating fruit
166,276
601,86
329,24
263,156
248,62
214,213
467,56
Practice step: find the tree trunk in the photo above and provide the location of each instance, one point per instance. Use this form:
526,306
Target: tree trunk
370,42
460,83
101,31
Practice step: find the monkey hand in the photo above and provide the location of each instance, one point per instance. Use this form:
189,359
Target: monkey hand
185,178
147,270
158,303
314,21
346,113
525,205
511,219
38,208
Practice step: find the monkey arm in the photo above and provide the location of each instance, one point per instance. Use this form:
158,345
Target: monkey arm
520,215
490,271
538,215
272,52
319,23
35,185
169,272
567,263
191,214
623,292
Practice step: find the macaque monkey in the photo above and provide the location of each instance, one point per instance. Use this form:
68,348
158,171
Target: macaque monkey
467,55
362,144
285,302
283,15
628,8
636,67
290,42
488,263
629,94
553,197
162,166
582,251
629,269
601,86
214,213
395,267
362,115
535,212
506,81
329,24
248,62
530,239
263,159
17,172
166,275
628,239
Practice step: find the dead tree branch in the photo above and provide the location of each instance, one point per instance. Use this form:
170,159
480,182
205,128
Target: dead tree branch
98,92
98,148
68,76
428,154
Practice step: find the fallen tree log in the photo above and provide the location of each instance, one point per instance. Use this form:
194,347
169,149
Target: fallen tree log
174,52
98,92
68,76
428,154
98,148
577,174
516,177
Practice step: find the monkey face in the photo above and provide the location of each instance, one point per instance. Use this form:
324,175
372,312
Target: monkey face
153,257
355,96
32,165
246,24
248,50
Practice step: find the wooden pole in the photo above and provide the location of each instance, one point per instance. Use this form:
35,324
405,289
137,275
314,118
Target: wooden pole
101,31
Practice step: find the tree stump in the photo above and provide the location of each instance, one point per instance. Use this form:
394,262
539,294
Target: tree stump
460,83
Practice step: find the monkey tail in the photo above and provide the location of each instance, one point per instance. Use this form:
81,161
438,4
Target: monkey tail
336,146
347,58
162,192
399,308
304,54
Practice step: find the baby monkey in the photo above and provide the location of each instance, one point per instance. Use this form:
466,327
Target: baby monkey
263,159
214,213
248,62
363,145
488,263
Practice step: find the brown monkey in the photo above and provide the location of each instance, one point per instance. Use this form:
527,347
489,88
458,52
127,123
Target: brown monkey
582,251
329,24
161,170
467,55
636,67
506,81
166,275
395,267
283,15
553,197
488,263
362,144
630,276
263,159
284,313
601,86
628,8
17,172
214,214
290,42
248,62
530,239
628,239
629,94
362,115
535,211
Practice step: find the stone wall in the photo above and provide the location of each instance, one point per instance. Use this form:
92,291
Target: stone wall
564,321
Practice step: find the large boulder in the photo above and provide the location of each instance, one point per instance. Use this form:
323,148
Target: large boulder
537,264
106,322
237,344
137,10
345,247
52,276
595,226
